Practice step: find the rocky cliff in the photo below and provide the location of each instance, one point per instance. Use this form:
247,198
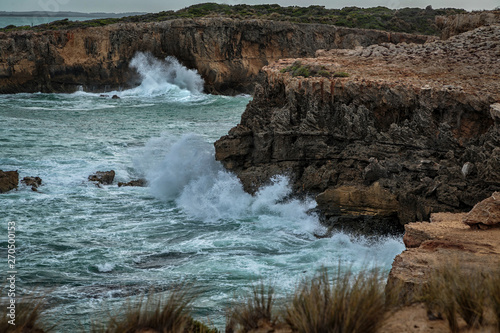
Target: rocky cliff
412,130
448,239
227,53
456,24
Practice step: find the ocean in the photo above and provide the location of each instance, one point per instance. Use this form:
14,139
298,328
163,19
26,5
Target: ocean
36,20
90,248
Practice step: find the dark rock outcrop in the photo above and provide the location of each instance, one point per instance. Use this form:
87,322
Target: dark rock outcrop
227,53
103,177
420,121
137,182
34,182
9,180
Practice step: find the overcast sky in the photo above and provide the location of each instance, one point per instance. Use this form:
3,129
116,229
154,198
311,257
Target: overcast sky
119,6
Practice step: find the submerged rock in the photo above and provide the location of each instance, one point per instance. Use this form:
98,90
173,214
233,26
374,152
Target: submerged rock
137,182
103,177
34,182
9,180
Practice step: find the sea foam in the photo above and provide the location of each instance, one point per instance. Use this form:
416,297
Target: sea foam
159,77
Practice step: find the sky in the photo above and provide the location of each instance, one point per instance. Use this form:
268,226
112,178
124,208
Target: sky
120,6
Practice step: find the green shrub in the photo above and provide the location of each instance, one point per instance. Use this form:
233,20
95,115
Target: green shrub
324,73
340,74
301,71
411,20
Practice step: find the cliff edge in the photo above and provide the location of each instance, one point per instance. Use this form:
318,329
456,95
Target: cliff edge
382,135
449,239
228,53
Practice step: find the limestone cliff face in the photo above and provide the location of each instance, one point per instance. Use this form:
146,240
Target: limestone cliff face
445,240
456,24
413,130
227,53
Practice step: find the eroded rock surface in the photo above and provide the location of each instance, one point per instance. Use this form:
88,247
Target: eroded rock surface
103,177
485,214
34,182
419,120
227,53
136,182
445,240
9,180
456,24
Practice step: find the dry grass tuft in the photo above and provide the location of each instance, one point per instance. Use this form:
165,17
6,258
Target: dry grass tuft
350,304
156,314
256,311
494,292
27,315
456,292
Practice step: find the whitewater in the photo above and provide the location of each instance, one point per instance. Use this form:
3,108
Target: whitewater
91,248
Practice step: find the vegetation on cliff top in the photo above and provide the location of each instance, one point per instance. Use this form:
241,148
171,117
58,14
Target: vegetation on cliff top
297,69
409,20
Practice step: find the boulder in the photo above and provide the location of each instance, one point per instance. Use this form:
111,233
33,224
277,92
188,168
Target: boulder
103,177
8,180
446,239
485,214
138,182
34,182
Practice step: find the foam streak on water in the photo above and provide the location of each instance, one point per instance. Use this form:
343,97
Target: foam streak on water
92,247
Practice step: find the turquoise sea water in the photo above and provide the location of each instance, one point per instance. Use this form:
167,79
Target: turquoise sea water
92,248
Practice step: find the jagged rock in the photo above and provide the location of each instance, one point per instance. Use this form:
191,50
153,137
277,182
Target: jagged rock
103,177
138,182
434,149
368,210
9,180
115,97
446,239
357,200
485,214
456,24
34,182
227,53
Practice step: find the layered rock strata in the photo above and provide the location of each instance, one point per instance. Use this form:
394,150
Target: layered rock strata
412,130
227,53
456,24
445,240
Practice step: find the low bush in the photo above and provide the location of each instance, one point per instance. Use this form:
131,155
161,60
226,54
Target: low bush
410,20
